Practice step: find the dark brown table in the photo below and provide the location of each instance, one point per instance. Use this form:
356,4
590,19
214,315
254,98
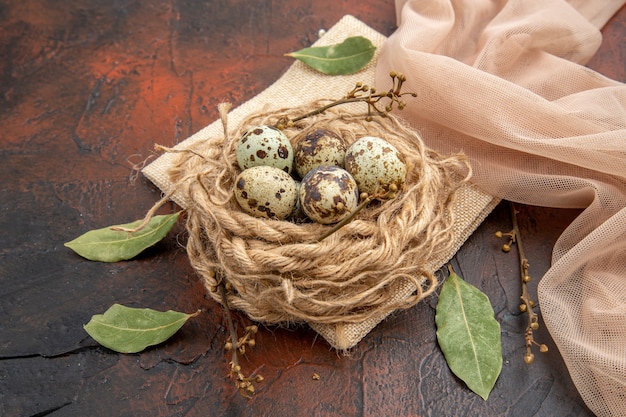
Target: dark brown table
87,87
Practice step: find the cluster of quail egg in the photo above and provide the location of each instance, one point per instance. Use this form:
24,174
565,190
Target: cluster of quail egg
321,179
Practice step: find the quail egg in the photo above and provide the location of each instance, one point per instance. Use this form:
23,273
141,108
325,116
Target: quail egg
264,145
328,194
375,164
320,147
264,191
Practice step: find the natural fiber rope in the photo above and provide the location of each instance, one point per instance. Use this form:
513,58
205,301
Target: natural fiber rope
276,274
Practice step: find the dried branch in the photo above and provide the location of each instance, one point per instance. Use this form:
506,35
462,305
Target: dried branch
526,302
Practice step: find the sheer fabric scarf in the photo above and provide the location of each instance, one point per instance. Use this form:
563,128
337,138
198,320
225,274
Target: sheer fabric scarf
505,82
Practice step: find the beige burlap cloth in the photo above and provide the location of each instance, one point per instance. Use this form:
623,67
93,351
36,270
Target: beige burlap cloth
505,81
299,86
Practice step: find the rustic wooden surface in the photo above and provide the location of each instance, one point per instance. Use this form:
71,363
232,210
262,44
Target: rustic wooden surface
87,87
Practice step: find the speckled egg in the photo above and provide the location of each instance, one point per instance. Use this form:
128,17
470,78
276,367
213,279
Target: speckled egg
264,191
320,147
328,194
375,164
264,145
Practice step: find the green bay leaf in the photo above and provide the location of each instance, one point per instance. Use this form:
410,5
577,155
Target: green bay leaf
343,58
469,334
131,330
111,244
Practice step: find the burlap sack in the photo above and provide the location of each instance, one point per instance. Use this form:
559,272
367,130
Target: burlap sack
301,85
506,82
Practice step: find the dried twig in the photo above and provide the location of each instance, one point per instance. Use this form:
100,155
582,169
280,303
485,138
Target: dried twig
526,302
